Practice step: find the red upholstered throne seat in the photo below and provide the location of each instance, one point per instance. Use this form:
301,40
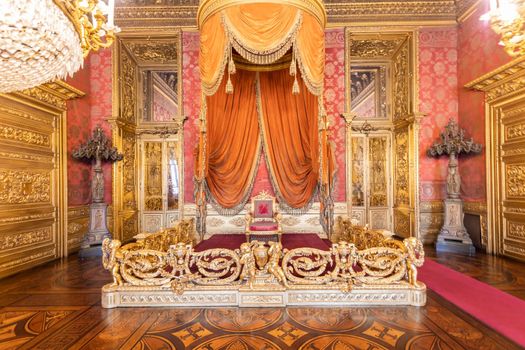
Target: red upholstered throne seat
263,219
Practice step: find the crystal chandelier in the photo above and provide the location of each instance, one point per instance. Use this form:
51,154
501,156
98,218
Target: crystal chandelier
43,40
507,18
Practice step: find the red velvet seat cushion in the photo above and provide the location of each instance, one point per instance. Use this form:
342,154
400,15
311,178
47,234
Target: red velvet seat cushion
263,226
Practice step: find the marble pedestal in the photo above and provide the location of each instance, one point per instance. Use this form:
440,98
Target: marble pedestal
98,230
453,236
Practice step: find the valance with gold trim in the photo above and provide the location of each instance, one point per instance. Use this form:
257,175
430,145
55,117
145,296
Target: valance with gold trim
261,32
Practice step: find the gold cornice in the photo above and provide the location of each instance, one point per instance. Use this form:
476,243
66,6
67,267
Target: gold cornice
504,80
465,8
356,13
55,93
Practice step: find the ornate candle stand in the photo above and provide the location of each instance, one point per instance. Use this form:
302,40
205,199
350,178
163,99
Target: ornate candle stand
453,235
96,150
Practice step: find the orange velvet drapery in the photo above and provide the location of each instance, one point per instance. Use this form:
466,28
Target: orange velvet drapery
290,135
232,141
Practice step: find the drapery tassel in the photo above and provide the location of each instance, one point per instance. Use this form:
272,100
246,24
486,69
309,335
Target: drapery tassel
293,67
229,86
231,70
231,66
295,88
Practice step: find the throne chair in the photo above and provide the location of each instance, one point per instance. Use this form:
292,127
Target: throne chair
263,221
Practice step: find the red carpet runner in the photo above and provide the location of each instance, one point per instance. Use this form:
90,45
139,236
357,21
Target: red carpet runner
499,310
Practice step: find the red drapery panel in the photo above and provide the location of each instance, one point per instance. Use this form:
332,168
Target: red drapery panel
233,141
291,136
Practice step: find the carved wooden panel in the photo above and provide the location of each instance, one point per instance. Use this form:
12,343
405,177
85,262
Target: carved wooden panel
32,195
512,175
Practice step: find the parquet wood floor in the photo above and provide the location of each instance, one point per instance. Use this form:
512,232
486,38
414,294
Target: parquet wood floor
57,306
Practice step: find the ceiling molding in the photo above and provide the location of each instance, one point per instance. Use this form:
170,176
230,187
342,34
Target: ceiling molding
183,13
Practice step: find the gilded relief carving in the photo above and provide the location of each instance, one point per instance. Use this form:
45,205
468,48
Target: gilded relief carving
128,87
516,230
21,239
401,188
401,83
401,223
129,197
515,131
378,171
153,176
17,187
515,174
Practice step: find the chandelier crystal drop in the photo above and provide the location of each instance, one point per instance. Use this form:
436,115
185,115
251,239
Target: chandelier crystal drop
507,18
44,40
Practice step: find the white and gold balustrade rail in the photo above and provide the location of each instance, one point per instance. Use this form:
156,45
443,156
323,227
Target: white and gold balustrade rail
262,274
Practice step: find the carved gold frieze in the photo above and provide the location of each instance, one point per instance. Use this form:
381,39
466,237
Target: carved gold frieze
18,186
18,134
515,174
374,48
22,239
164,52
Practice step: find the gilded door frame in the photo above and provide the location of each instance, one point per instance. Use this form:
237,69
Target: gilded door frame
134,50
399,49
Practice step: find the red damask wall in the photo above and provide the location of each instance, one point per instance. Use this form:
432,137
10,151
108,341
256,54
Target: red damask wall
478,54
84,114
334,96
438,99
334,103
78,121
192,103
